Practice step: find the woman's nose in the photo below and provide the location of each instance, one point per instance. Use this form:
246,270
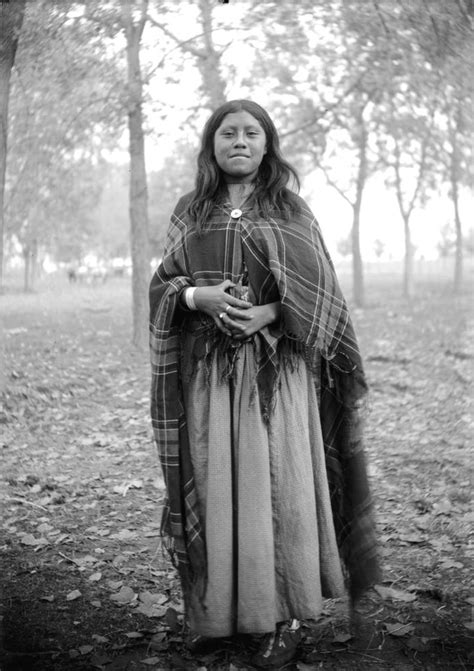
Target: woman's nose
240,140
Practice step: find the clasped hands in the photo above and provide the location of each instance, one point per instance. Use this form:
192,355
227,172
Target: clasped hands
234,317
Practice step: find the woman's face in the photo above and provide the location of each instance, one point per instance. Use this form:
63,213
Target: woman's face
239,146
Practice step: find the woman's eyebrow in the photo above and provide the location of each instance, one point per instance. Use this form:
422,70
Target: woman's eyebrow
233,127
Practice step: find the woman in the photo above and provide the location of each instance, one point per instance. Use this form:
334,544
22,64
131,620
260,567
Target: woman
256,385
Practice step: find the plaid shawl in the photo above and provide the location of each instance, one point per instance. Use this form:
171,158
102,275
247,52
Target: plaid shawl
286,261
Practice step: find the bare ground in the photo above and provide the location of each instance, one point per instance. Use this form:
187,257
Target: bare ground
85,584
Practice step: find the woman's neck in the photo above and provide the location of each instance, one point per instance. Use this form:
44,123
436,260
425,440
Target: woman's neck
239,192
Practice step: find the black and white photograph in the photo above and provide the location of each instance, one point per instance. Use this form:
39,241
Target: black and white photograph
236,335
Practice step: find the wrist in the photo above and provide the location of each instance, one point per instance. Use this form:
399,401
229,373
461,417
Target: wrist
273,312
188,298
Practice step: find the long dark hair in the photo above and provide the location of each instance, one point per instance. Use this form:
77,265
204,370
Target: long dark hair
271,189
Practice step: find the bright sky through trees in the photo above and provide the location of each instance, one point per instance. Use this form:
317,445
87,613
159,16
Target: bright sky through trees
175,86
321,67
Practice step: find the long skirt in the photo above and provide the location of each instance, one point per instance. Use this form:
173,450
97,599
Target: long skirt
264,500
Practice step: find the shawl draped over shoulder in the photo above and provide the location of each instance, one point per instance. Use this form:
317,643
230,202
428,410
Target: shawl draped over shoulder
287,261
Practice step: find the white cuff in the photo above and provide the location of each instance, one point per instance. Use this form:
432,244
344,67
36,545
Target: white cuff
189,298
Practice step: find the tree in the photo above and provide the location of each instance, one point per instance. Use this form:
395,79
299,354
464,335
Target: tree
344,246
446,243
201,47
110,217
330,90
455,134
434,46
409,166
379,248
56,215
166,187
61,117
455,150
418,66
138,206
208,58
357,131
11,19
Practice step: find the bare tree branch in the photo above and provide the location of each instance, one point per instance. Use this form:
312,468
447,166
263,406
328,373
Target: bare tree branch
335,186
433,22
323,111
143,17
184,44
381,19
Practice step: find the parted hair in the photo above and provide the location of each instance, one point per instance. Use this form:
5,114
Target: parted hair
274,174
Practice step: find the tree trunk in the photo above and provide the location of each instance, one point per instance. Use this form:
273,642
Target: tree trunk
26,268
458,257
408,261
138,206
11,19
357,265
33,264
209,60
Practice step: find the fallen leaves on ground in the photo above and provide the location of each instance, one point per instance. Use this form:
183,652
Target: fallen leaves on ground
85,580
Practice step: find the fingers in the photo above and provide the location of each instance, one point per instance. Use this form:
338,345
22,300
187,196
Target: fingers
221,325
227,284
234,326
234,313
233,300
239,303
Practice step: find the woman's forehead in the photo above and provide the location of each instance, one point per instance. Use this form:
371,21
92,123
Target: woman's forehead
242,118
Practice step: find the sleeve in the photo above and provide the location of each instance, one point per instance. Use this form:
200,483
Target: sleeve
172,275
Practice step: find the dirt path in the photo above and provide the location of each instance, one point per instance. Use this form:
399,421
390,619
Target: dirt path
84,581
